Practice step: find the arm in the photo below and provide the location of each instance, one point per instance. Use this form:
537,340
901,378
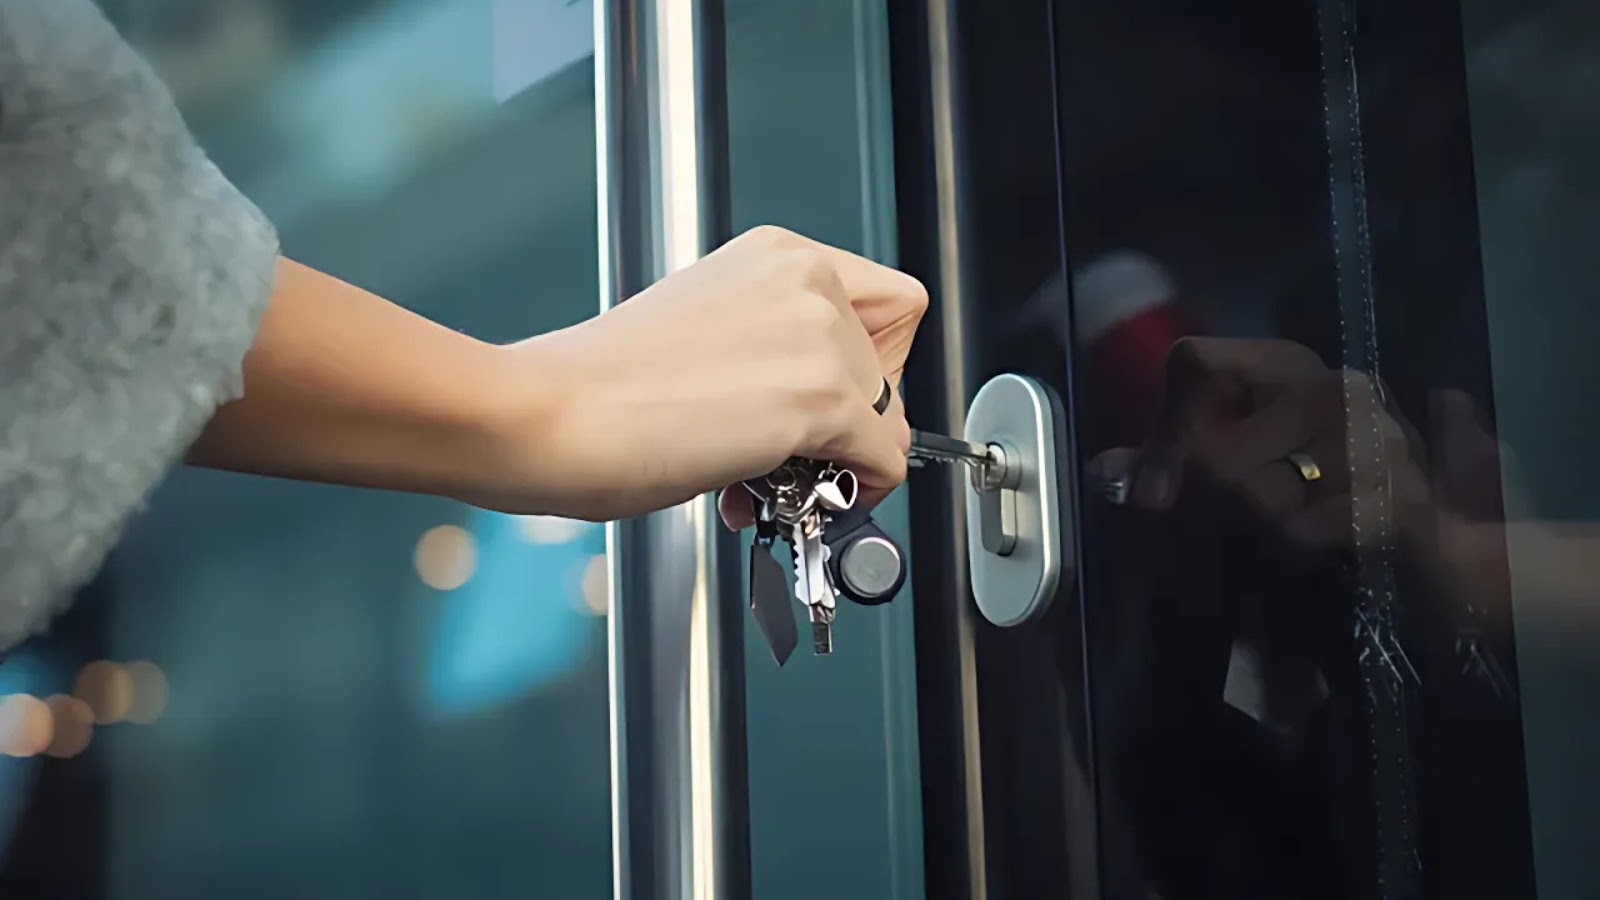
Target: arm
342,386
773,346
136,282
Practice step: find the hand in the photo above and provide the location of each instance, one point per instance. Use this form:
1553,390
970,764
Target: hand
771,347
1235,410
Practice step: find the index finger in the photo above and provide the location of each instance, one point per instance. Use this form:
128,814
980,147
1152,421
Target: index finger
864,278
884,298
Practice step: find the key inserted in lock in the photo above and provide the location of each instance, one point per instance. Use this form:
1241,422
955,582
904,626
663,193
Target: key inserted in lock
996,475
1018,527
997,481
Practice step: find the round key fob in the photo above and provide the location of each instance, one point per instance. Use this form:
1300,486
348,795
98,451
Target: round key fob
867,566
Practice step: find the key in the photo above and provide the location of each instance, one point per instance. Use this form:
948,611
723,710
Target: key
811,581
995,477
769,587
785,501
987,464
926,446
800,502
833,490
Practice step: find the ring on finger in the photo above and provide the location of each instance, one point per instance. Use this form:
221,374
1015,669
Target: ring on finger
885,397
1305,467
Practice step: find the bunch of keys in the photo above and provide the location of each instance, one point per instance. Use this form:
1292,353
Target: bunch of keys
836,547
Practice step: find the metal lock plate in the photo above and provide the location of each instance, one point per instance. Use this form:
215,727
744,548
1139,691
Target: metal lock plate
1022,418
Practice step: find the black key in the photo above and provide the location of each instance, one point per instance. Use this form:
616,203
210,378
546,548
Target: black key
771,602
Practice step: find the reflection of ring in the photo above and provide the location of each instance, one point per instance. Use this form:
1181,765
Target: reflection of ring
885,394
1305,467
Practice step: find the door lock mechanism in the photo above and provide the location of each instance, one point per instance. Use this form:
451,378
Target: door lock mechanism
996,481
1019,518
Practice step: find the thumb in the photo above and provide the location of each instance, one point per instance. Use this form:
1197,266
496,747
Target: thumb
877,482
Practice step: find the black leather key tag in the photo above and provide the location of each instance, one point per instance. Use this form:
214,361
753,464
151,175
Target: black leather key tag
771,603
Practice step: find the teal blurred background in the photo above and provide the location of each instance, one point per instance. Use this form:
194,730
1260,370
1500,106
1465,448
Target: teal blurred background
371,695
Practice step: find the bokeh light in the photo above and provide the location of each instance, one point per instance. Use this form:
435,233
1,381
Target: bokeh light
149,692
26,726
597,585
107,688
446,557
72,725
523,622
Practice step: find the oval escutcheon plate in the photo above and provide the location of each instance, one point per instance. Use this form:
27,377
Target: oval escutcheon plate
1023,417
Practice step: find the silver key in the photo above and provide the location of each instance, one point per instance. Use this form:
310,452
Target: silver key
812,587
800,499
835,491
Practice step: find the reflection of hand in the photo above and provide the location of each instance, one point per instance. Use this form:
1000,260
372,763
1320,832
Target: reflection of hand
1469,463
1267,420
773,346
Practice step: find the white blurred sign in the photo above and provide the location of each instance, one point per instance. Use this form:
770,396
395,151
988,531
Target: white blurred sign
534,39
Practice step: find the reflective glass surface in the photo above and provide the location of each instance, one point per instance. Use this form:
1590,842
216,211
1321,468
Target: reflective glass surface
308,691
1316,279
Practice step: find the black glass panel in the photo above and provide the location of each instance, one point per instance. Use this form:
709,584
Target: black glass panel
1323,317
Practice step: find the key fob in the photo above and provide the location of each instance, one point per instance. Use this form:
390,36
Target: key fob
867,566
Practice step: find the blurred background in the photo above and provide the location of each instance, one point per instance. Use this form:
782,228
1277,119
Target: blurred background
279,689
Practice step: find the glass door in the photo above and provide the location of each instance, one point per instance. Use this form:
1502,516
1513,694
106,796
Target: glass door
1314,281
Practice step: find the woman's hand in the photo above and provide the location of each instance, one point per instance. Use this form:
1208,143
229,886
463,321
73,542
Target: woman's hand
773,346
1249,413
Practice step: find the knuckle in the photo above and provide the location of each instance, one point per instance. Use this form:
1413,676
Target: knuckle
1187,354
1288,353
1359,383
818,315
1360,394
916,294
771,237
817,271
1299,356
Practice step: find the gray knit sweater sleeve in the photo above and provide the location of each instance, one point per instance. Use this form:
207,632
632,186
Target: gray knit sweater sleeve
132,278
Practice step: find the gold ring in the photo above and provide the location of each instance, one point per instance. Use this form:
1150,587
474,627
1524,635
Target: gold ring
1305,466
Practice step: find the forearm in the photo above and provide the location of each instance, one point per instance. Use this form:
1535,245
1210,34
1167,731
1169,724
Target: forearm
342,386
